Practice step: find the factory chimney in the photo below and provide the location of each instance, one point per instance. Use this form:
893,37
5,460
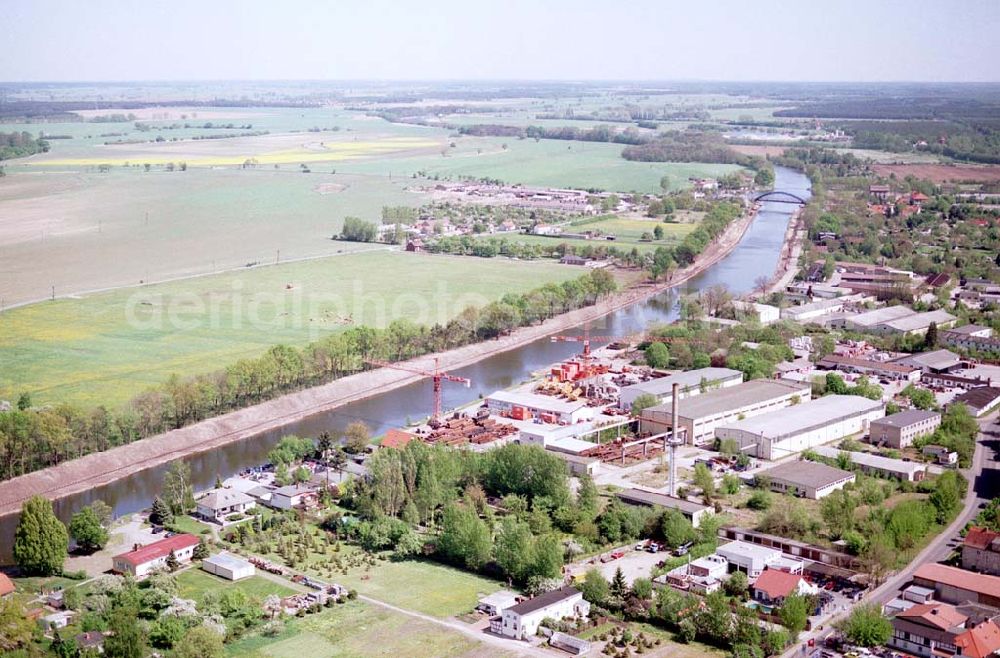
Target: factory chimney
674,441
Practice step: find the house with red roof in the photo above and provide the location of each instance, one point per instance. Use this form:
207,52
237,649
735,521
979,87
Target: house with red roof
939,629
6,586
981,551
396,439
141,561
981,641
773,586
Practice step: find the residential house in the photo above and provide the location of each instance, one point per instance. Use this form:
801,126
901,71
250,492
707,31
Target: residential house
773,586
218,504
92,641
294,496
981,551
522,620
936,629
143,560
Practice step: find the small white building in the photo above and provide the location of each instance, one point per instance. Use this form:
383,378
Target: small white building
494,604
141,561
228,566
56,620
522,620
217,504
762,313
752,559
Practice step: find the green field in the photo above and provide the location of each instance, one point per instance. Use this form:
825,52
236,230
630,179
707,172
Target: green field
76,230
360,629
194,583
84,231
553,163
107,347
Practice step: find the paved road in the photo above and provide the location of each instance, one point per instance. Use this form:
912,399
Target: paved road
980,477
983,476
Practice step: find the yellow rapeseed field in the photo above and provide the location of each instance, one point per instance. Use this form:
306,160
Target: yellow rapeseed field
327,152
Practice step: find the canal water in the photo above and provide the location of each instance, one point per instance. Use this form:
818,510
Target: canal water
755,256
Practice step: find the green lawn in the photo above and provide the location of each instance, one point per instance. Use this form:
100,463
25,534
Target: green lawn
359,629
193,583
184,523
424,586
104,348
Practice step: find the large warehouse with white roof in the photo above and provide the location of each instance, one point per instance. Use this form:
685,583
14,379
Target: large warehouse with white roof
781,433
700,415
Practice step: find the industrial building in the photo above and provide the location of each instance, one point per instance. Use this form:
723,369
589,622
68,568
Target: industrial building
814,310
980,401
957,586
782,433
899,430
869,320
525,406
811,480
868,367
698,417
690,383
693,512
918,323
877,465
937,361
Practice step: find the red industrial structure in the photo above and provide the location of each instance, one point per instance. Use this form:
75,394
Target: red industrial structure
437,376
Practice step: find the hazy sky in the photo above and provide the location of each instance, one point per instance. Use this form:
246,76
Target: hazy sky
854,40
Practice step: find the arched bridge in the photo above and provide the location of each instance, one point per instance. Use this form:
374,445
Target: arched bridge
780,197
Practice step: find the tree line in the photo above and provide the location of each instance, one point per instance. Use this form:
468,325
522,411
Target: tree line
32,438
21,144
599,133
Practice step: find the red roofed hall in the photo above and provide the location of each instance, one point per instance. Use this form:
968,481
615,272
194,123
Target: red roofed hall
773,586
396,439
6,586
954,585
980,641
143,560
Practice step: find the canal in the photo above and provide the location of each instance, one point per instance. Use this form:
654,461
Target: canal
755,256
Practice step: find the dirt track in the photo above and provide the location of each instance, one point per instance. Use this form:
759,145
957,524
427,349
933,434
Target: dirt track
102,468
